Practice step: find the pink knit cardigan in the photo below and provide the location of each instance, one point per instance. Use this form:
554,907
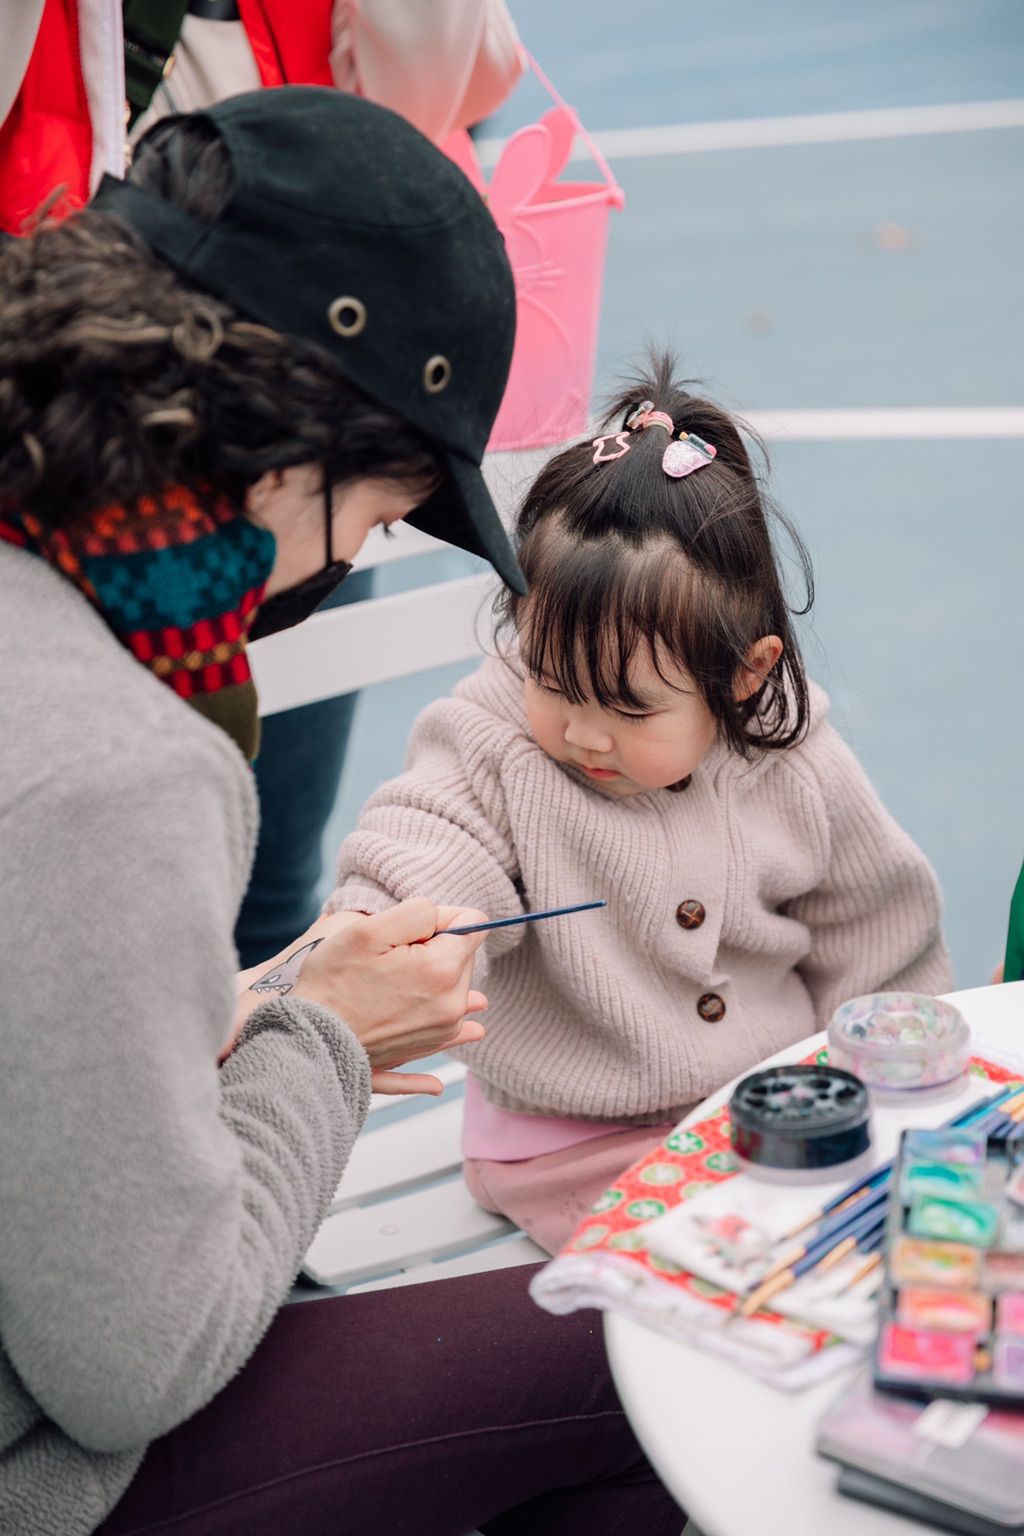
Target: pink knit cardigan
810,894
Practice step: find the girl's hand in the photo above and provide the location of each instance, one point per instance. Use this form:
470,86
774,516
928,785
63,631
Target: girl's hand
402,997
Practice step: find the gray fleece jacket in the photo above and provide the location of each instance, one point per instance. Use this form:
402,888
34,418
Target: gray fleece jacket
153,1209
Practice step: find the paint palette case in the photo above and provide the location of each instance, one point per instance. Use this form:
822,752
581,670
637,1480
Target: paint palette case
918,1506
952,1322
961,1458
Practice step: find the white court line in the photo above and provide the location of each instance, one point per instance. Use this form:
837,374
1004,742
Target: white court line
852,425
774,132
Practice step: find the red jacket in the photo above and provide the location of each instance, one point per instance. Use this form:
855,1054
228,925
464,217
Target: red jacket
46,138
46,141
291,43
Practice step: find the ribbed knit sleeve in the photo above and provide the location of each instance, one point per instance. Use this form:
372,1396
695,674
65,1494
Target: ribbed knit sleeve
442,829
874,919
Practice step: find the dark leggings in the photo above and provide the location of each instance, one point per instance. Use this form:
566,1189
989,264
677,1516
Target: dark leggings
432,1410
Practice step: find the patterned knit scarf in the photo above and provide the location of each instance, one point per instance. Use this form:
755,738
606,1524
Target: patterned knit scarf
178,582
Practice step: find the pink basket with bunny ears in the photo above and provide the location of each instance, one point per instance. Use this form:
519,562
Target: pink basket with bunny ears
556,233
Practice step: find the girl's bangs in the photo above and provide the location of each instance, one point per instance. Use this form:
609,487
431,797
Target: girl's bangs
592,607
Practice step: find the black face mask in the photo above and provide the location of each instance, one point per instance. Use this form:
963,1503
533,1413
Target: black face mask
288,608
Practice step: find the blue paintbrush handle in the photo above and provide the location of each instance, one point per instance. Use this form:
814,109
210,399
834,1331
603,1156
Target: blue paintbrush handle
863,1228
877,1196
977,1116
875,1181
525,917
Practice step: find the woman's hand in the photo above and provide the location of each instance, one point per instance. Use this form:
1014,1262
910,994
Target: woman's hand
402,997
247,999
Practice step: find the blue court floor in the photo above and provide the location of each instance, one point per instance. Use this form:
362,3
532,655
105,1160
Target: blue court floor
833,270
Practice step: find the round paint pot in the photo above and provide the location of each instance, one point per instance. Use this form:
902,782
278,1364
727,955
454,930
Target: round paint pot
799,1117
900,1040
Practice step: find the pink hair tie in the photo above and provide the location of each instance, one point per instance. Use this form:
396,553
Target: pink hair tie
643,415
646,416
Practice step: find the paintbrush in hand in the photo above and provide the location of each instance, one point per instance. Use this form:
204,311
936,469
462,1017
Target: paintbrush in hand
523,917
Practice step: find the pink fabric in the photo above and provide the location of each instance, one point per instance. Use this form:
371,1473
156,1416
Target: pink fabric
443,66
507,1137
549,1196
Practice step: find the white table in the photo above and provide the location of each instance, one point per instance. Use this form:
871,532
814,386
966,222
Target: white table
739,1454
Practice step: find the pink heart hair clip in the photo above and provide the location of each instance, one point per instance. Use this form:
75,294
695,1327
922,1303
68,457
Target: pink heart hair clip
600,456
687,455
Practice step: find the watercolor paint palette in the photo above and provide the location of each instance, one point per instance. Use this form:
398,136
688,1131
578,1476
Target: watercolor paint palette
952,1320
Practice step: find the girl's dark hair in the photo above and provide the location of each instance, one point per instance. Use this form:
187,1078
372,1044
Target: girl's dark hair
618,556
118,380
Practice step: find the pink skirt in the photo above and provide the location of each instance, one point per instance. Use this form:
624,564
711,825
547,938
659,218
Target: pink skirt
548,1196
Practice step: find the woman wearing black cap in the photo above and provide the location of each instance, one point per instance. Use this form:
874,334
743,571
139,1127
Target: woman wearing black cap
213,382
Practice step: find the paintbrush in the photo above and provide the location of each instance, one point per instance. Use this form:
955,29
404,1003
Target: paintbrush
835,1222
1006,1128
855,1192
867,1268
844,1201
524,917
864,1232
1000,1121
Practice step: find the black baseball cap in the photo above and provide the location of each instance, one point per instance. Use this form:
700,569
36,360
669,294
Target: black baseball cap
346,227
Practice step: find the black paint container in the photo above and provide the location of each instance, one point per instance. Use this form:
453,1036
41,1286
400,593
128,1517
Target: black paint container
799,1117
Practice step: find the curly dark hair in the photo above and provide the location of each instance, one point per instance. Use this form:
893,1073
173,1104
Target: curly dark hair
620,556
118,380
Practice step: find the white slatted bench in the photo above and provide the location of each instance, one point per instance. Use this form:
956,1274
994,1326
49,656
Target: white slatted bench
401,1213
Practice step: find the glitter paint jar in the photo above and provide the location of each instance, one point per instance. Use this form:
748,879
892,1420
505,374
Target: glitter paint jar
900,1041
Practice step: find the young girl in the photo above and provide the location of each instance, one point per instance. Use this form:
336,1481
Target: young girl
648,737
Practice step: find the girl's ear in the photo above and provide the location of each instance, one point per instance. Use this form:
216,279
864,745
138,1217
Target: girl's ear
761,658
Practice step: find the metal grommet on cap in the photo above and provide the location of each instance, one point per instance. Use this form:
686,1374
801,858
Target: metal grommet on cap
437,374
347,315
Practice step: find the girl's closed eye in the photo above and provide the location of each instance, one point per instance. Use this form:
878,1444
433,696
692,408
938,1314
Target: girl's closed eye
545,683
